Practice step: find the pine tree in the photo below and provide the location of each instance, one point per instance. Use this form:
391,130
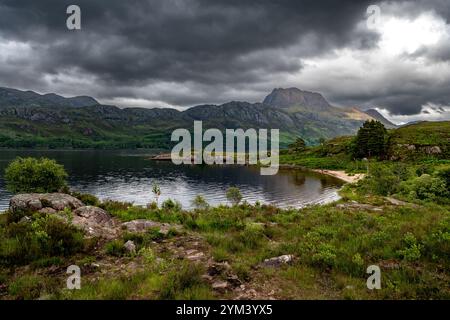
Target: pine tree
370,140
298,145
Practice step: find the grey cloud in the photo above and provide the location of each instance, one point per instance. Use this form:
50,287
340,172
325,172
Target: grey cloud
186,52
137,42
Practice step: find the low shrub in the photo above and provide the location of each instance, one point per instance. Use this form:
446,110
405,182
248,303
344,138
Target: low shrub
27,287
200,203
424,187
383,179
412,251
113,206
325,255
43,237
181,281
234,195
171,205
115,248
87,199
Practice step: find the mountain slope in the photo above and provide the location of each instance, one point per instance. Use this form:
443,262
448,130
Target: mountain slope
28,119
378,116
16,98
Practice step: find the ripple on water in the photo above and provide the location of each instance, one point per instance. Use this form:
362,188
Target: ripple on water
113,175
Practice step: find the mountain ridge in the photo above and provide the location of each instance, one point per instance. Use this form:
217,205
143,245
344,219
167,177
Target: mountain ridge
15,97
30,117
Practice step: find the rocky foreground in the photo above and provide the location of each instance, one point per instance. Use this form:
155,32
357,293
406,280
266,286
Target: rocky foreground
98,224
226,252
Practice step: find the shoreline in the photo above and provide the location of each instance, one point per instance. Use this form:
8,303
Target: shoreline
338,174
341,175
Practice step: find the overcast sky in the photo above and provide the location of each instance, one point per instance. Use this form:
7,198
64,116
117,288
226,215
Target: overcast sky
157,53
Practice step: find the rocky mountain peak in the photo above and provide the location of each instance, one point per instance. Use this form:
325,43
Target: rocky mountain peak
285,98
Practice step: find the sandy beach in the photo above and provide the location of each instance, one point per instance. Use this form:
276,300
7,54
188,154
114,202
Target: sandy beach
342,175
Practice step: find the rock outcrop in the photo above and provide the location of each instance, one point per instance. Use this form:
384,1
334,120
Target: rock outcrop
44,202
130,247
96,222
278,261
142,225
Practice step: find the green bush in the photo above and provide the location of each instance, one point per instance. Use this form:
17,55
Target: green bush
44,237
444,174
413,249
384,179
252,236
424,187
178,282
325,255
234,195
199,202
171,205
115,248
87,199
27,287
298,145
34,175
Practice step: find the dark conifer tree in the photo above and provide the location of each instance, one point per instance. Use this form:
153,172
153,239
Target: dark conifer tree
370,140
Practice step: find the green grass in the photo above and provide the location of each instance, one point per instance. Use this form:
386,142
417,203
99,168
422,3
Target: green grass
335,154
179,282
424,133
339,243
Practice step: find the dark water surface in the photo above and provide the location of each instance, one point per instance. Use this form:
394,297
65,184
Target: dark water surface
129,175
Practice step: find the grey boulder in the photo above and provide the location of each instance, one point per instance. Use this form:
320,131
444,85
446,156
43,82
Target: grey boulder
33,202
96,222
142,225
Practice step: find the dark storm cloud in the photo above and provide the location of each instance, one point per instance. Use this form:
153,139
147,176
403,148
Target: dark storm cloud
187,52
221,42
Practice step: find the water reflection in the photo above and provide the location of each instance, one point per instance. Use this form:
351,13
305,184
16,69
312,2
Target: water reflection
128,176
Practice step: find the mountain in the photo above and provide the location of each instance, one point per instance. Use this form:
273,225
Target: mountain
378,116
28,119
285,98
16,98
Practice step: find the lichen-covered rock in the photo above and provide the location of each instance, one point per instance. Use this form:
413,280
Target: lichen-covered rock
32,202
48,211
96,222
432,150
278,261
218,268
130,247
221,286
142,225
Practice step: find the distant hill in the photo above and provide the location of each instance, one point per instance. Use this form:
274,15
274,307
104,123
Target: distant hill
28,119
16,98
425,139
422,139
